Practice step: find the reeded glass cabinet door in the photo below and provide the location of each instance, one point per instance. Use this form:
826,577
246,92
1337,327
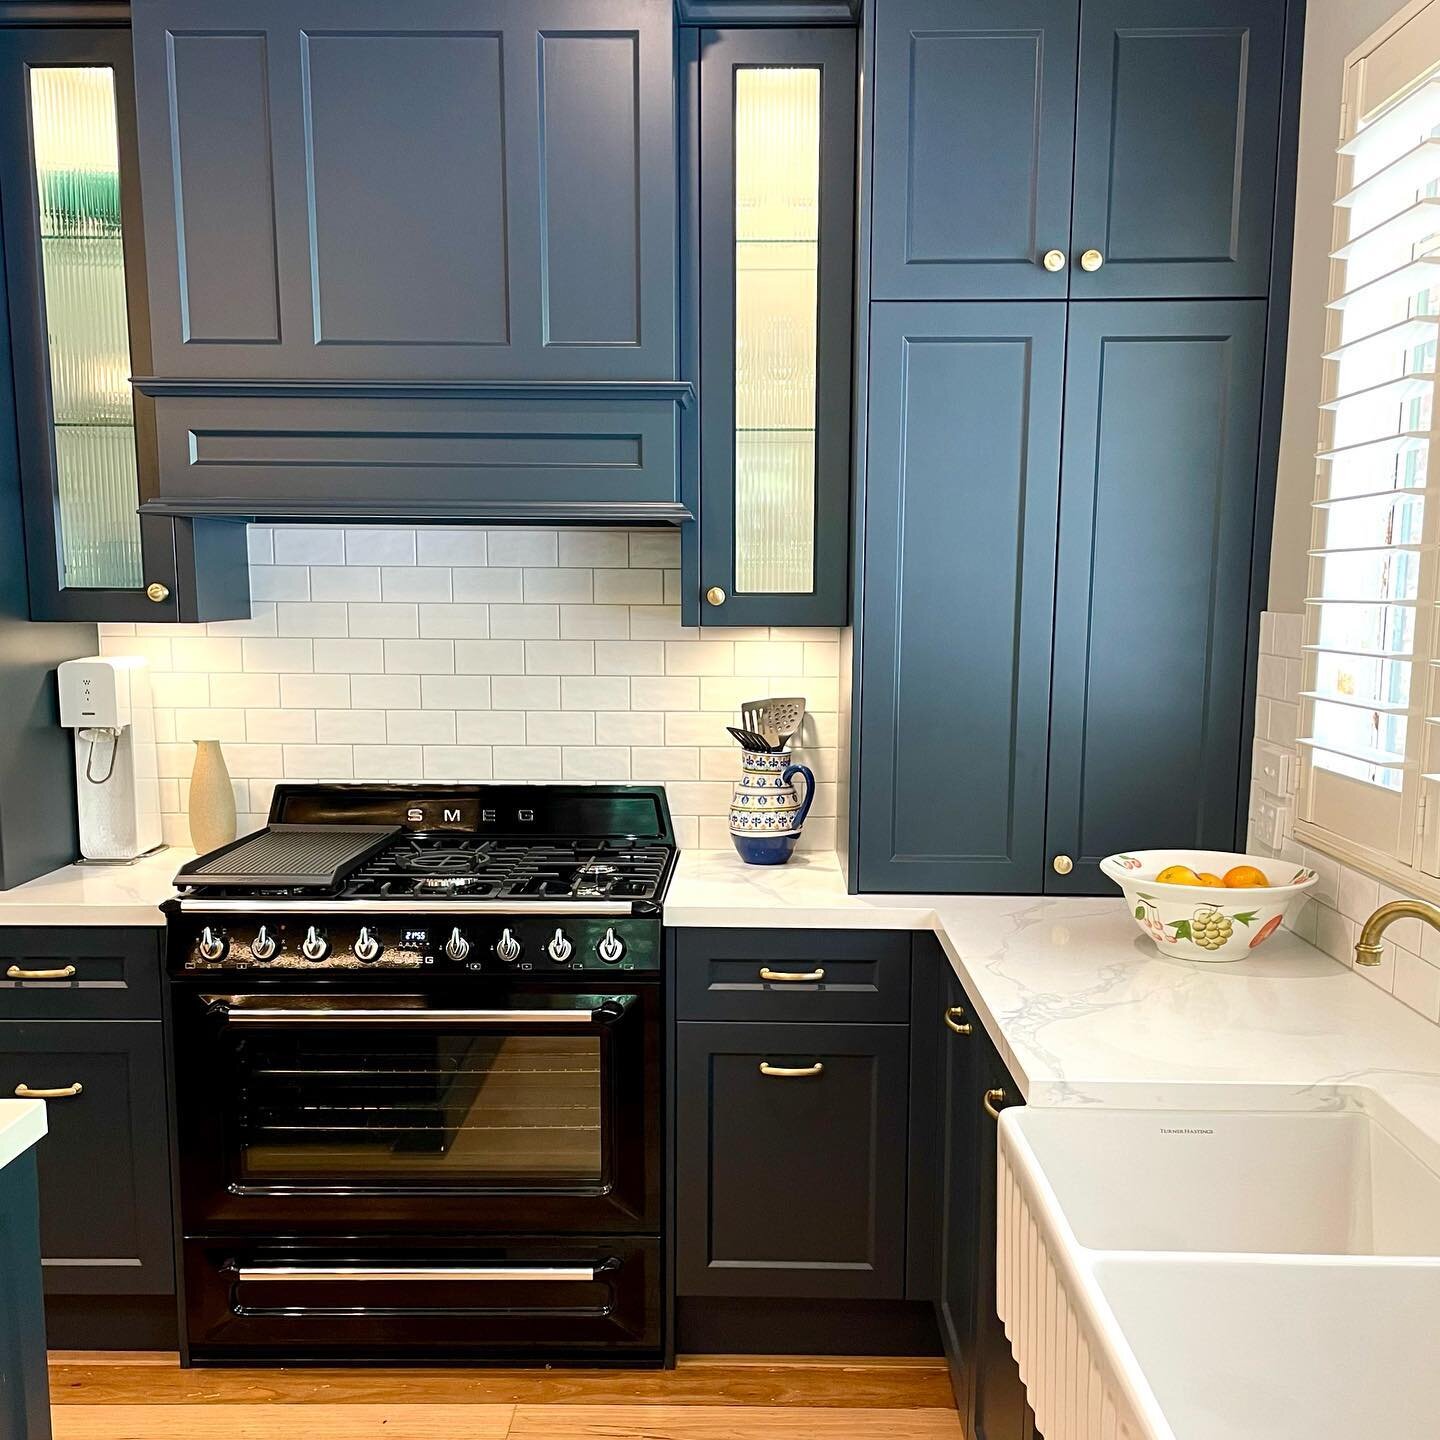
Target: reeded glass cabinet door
776,154
77,323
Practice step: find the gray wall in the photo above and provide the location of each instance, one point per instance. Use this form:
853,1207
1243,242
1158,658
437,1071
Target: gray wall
1333,28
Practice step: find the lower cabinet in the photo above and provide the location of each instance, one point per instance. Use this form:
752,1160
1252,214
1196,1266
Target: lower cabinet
974,1086
90,1042
24,1384
791,1159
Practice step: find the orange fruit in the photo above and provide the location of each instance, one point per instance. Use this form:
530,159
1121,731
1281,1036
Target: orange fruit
1245,877
1177,875
1209,878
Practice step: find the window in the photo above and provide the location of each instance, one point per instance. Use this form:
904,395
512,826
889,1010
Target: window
1371,718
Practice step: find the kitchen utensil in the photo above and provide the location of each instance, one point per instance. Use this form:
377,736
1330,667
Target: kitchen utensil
750,713
780,719
750,739
1202,922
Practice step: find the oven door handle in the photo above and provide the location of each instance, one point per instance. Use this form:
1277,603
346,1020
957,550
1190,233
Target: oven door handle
594,1010
327,1274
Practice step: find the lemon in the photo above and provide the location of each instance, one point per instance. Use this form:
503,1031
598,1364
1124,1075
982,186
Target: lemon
1178,875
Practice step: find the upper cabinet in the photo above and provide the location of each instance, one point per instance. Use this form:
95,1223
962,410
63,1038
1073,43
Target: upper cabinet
73,293
774,256
440,190
1032,149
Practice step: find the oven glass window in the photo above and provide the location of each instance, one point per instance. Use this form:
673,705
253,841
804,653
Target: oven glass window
424,1109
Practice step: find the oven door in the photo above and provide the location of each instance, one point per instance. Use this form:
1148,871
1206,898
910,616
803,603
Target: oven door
479,1108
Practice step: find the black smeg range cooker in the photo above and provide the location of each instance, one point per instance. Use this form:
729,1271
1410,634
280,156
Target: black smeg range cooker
418,1077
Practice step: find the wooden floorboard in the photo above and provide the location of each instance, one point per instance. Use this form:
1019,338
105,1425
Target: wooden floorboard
100,1380
722,1397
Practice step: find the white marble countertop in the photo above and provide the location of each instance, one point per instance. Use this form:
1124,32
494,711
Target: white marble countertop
1085,1011
96,894
22,1123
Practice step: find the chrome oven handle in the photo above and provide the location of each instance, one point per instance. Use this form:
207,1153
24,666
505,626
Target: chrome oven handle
325,1274
358,1015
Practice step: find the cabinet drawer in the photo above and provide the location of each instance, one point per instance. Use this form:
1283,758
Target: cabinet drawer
116,973
791,1183
105,1163
748,975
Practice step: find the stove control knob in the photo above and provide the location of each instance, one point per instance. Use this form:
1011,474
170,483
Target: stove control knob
457,947
508,948
366,946
264,946
314,946
559,949
214,944
611,948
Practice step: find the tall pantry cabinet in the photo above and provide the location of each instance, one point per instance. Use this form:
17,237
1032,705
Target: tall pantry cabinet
1076,212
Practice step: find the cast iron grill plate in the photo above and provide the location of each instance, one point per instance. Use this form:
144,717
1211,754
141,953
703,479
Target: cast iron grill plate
288,856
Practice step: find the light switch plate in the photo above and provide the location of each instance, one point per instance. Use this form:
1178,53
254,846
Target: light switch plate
1274,768
1269,822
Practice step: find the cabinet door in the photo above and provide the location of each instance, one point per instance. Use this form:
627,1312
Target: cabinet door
790,1160
74,293
105,1164
959,1189
1000,1410
24,1382
1175,147
974,137
437,190
1153,597
963,473
777,211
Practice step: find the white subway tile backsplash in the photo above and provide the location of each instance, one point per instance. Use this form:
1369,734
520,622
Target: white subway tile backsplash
454,653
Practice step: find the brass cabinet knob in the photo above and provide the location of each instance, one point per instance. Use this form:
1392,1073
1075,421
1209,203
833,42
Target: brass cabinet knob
715,595
1053,260
1091,260
1062,864
157,592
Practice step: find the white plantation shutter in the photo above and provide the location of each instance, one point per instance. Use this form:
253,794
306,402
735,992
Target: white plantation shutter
1371,698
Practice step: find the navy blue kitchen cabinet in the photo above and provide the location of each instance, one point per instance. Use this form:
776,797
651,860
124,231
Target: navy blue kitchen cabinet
441,190
974,136
1159,123
24,1381
959,552
1175,147
76,326
80,1024
773,260
1157,514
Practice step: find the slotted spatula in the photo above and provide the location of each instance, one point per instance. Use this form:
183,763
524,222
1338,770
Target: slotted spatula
780,719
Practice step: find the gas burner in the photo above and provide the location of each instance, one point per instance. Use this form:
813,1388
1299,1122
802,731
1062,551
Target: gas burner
448,861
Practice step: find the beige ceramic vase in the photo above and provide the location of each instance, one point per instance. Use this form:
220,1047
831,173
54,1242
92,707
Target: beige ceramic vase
212,799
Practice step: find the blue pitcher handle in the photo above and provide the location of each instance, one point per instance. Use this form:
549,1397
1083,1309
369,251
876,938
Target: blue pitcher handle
790,772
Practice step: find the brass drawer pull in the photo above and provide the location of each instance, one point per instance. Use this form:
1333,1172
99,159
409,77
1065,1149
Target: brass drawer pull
992,1102
63,1093
791,1072
791,976
16,973
953,1018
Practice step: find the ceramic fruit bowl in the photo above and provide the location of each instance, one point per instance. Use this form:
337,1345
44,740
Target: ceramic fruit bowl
1206,922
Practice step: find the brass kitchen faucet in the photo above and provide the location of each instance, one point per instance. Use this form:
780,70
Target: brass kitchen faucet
1368,949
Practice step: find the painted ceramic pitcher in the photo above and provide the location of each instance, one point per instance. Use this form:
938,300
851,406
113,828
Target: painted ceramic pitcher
765,812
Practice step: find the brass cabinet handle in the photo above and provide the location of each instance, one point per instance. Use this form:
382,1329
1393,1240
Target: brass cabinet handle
63,1093
715,595
1062,864
953,1018
791,1072
1053,260
992,1101
791,976
1091,261
16,973
157,592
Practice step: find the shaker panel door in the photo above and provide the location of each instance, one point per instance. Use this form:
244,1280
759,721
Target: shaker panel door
963,473
1157,515
1175,145
974,137
435,191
